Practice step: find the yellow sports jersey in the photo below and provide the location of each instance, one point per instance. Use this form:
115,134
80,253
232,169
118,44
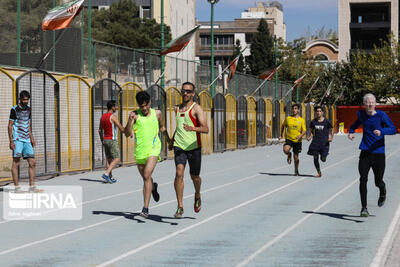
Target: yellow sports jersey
294,127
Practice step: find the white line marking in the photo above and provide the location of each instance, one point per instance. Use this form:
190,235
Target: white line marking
114,219
125,193
118,218
208,219
195,225
388,239
291,228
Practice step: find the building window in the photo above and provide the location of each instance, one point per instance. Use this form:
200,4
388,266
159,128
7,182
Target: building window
205,40
369,13
145,12
248,37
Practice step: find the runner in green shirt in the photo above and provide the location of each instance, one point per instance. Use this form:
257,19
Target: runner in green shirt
190,123
146,123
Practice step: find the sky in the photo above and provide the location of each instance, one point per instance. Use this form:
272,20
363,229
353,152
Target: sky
298,14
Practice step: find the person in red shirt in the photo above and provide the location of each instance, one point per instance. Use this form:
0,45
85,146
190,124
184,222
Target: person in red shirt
108,136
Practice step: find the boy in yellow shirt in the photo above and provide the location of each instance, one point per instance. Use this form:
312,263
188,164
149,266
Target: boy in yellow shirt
295,130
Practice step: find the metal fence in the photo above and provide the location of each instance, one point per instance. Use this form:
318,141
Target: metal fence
66,114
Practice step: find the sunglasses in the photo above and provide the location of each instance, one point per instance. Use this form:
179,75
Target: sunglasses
183,91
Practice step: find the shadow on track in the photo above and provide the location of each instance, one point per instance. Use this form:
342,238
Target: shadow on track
288,174
345,217
94,180
136,217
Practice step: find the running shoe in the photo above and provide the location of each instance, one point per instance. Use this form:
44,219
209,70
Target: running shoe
289,158
34,189
197,205
178,213
18,190
145,212
319,174
107,178
364,212
112,179
381,200
296,173
156,195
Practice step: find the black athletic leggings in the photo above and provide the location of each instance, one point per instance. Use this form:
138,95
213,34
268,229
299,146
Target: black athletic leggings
377,163
316,161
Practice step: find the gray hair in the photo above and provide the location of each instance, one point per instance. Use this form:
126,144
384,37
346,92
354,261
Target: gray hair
369,95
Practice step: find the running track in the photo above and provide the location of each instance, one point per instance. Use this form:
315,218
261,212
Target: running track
255,213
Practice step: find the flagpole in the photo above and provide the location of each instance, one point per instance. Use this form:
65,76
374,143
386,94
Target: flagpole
51,48
338,97
291,89
226,68
266,79
329,86
312,87
255,91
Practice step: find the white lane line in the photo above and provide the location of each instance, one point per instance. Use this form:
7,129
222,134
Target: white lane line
125,193
115,219
387,242
294,226
384,248
118,218
291,228
122,256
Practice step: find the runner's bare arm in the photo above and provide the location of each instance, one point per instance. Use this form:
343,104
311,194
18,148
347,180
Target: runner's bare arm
199,114
10,137
33,142
282,131
303,131
311,135
131,120
161,126
331,137
115,120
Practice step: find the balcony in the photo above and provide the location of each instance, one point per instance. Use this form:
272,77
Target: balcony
218,49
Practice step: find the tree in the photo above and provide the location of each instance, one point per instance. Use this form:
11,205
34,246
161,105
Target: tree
261,57
238,48
32,14
121,25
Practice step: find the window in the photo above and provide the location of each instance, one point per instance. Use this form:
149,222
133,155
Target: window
145,12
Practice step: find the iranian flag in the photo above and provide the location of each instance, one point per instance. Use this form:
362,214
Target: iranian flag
179,43
298,81
61,17
295,84
232,67
267,75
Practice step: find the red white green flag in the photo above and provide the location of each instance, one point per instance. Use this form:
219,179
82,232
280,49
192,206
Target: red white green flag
232,67
267,75
298,81
179,43
61,17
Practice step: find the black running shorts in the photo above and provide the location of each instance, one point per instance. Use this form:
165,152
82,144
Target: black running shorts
192,156
296,146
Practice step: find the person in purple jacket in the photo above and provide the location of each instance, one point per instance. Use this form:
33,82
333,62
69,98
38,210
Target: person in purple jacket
376,124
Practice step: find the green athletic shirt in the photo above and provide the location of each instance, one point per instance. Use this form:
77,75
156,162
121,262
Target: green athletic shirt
146,134
186,140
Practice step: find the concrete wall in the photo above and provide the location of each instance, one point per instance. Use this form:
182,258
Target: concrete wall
345,18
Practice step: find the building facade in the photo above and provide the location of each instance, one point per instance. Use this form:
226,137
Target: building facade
227,32
365,23
145,6
179,15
